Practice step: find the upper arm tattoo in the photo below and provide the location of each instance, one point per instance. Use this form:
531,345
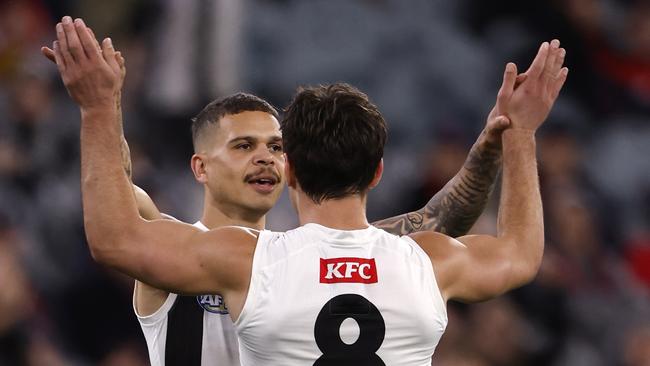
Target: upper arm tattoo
458,205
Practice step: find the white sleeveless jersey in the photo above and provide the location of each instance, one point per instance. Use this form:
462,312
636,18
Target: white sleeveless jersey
190,331
320,296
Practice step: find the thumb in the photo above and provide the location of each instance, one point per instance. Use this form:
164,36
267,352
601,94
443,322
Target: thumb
49,53
499,124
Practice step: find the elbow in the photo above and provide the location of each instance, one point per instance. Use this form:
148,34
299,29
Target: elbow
98,253
527,264
526,275
96,240
107,248
100,250
527,268
104,249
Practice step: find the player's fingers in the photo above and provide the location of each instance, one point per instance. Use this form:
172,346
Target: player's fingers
537,66
552,86
99,47
63,44
520,79
74,44
507,87
550,72
558,83
87,42
48,53
119,59
559,61
58,57
108,51
121,63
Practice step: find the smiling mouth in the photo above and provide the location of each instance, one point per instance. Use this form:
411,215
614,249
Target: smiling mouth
263,185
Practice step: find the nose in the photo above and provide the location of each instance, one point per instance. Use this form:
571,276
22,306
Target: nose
264,158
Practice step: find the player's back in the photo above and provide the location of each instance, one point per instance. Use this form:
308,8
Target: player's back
320,296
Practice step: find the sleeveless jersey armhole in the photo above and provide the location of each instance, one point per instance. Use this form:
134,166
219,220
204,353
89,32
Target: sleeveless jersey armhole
249,304
159,314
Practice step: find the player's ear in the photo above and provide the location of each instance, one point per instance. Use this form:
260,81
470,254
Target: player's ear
288,173
197,164
378,173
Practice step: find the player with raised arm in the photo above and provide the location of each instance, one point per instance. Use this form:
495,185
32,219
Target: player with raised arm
197,330
470,268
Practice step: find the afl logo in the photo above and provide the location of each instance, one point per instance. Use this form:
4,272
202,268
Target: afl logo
212,304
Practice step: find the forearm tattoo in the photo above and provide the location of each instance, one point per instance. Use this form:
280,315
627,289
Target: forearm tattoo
458,205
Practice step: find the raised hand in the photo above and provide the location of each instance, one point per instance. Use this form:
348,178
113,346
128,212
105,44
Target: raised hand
497,121
49,54
529,104
91,73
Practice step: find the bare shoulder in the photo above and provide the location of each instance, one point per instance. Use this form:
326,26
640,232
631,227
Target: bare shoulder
236,233
446,255
228,252
232,239
436,245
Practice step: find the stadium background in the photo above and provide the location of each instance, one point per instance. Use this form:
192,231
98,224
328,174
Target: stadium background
433,67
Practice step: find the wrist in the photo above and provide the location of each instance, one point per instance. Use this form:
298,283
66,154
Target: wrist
516,132
518,141
102,108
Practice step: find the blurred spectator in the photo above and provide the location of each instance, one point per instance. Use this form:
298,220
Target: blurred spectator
16,299
502,317
627,64
22,25
636,351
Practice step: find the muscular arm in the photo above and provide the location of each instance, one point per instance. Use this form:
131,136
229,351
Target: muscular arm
479,267
146,250
458,205
147,299
216,261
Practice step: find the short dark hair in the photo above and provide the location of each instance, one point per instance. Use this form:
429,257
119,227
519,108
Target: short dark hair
229,105
334,138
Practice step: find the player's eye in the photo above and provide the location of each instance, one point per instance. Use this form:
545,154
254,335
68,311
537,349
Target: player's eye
276,147
244,146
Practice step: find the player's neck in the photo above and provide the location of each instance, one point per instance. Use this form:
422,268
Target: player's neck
347,213
214,215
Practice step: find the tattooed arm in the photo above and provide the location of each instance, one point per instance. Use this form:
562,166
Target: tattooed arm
458,205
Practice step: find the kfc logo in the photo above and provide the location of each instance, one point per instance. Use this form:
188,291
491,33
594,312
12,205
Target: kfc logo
348,270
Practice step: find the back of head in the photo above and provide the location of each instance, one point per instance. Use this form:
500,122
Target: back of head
229,105
334,140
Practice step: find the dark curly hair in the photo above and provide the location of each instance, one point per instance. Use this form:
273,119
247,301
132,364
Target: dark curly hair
334,138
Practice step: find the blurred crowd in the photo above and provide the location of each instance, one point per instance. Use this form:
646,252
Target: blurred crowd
432,67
